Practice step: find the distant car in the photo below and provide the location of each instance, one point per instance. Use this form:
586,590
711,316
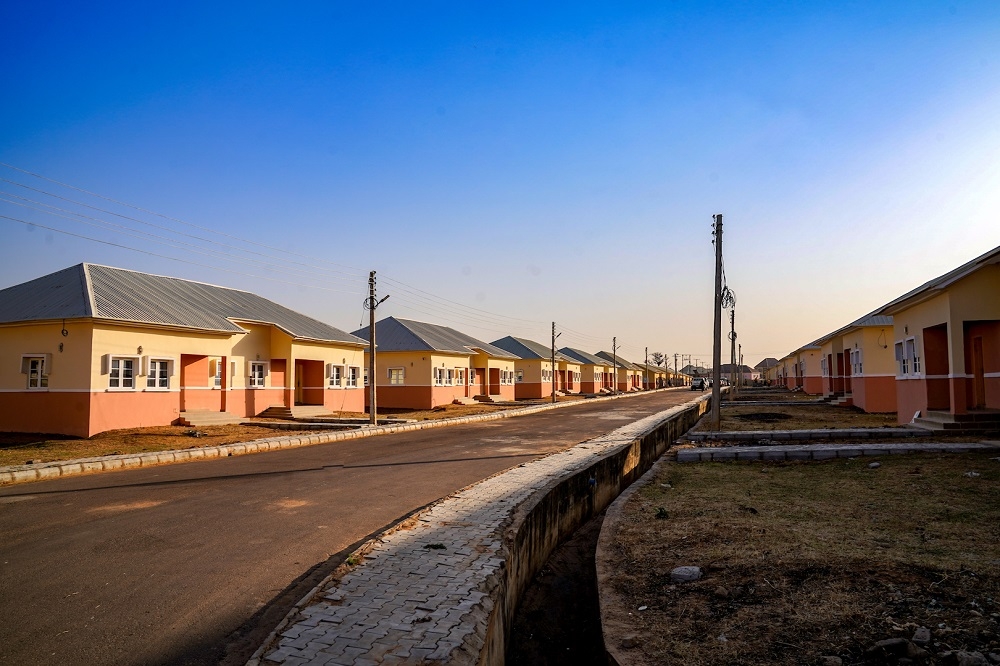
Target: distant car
697,384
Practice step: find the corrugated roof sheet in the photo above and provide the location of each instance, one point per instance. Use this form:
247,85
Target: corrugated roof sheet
582,356
131,296
59,295
622,363
395,334
524,348
940,282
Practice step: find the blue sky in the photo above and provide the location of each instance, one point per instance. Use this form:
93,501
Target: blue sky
511,165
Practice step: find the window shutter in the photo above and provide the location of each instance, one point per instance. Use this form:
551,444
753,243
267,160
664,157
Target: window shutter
145,368
249,369
329,370
106,364
213,367
47,367
25,361
232,368
267,369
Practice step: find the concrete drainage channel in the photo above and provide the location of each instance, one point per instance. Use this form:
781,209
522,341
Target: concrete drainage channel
444,586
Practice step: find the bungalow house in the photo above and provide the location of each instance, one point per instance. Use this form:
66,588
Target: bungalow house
595,372
807,368
869,365
421,365
629,376
534,374
93,348
766,369
651,376
946,344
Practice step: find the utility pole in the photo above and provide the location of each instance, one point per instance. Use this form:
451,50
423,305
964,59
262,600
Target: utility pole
732,352
554,336
645,366
716,419
675,366
614,356
371,303
739,360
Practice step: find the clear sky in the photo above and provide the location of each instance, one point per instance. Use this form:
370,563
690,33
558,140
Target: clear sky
512,164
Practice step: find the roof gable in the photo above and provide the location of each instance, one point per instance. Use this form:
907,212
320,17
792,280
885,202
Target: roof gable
59,295
527,349
583,357
395,334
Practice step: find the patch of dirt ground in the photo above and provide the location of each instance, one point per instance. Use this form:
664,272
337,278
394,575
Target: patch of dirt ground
796,417
20,448
803,560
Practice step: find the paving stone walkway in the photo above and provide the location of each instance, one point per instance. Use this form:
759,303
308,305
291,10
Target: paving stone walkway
421,593
811,434
826,451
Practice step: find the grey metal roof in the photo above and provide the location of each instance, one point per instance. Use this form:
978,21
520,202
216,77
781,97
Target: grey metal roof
524,348
622,363
768,362
583,357
926,290
102,292
395,334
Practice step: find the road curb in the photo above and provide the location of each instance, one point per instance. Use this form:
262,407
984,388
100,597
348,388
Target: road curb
45,471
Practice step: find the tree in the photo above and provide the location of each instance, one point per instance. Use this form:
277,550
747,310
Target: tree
657,358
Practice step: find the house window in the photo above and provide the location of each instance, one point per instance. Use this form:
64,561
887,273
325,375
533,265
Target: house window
122,374
336,376
911,354
352,376
366,376
520,375
256,375
38,374
459,377
217,380
158,376
901,359
450,379
396,376
822,366
472,376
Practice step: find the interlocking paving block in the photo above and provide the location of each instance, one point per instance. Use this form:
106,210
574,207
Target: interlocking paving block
414,603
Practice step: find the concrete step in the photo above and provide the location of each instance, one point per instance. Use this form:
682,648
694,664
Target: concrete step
979,415
489,398
277,412
460,401
197,418
309,411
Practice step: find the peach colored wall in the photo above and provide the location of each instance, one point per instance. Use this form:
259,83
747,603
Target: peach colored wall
875,395
61,413
114,410
347,400
405,397
911,396
532,390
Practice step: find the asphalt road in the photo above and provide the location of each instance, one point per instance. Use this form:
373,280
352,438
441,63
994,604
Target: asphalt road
195,563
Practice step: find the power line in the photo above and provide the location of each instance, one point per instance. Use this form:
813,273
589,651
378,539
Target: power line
163,256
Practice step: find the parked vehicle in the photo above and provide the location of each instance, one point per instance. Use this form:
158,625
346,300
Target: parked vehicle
697,384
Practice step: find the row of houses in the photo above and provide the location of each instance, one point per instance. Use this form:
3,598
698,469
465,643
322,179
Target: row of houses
933,349
94,348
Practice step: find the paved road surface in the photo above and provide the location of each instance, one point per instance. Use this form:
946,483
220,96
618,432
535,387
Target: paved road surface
195,563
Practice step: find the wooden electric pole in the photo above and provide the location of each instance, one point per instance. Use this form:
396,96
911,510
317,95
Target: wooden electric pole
614,356
732,352
371,303
554,336
716,419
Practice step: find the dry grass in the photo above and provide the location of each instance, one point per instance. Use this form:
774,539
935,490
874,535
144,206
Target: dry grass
811,559
19,448
794,417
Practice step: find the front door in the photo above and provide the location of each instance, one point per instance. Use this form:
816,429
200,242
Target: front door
978,373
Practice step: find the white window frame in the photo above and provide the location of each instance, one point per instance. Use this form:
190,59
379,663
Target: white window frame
136,362
459,376
822,367
520,376
365,374
152,371
449,379
472,376
335,375
397,379
253,381
353,372
912,352
44,368
217,376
